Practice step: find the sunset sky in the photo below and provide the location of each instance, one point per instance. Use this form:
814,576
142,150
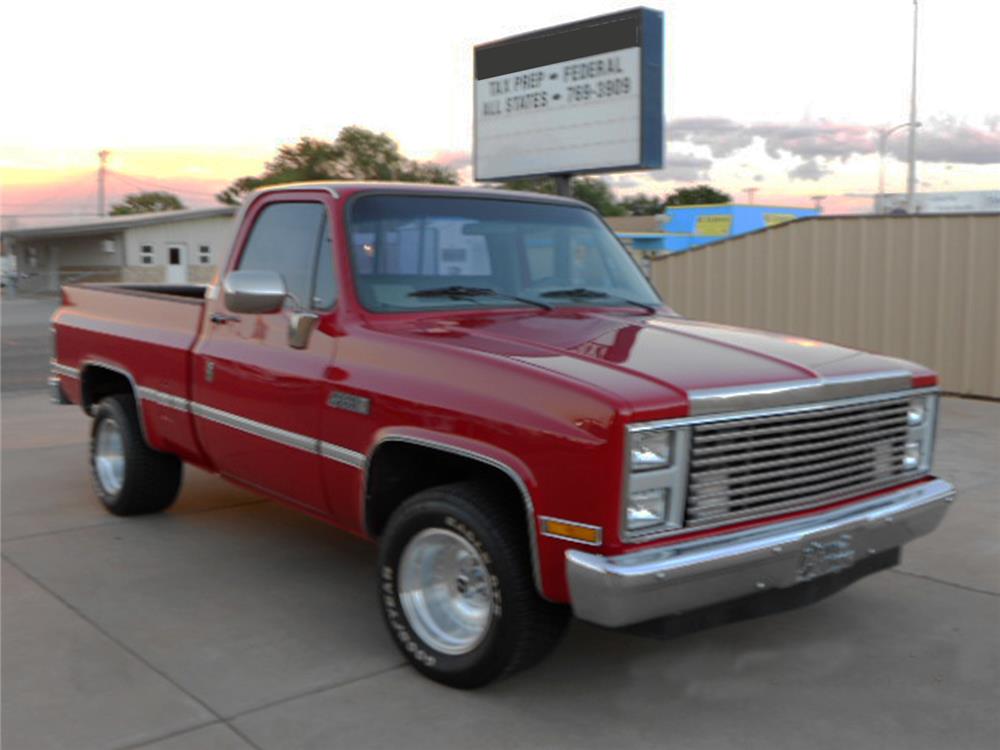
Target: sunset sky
778,95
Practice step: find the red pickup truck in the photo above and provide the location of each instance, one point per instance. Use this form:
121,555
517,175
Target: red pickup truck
484,382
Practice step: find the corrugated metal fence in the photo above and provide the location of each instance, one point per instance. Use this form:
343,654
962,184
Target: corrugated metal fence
925,288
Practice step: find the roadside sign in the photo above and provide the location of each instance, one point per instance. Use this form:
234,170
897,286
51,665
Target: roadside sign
582,97
714,225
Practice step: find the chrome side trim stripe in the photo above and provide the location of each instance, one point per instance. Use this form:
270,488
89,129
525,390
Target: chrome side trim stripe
164,399
57,369
259,429
277,435
306,443
343,455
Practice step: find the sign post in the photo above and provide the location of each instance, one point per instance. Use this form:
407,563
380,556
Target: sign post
583,97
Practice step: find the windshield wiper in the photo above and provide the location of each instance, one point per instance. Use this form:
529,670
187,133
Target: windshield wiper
582,293
470,292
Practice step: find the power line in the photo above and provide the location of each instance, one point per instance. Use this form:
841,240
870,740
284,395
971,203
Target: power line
142,184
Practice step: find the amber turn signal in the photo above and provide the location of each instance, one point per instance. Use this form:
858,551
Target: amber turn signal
577,532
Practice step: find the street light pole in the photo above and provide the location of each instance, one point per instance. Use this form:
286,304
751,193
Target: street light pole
911,149
101,173
883,148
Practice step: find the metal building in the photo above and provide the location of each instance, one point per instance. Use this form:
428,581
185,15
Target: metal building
170,246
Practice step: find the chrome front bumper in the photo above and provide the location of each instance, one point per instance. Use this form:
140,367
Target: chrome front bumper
667,580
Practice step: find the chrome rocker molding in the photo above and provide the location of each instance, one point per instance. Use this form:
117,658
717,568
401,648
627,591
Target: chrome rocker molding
672,579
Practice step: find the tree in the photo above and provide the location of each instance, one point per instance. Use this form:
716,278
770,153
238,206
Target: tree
697,195
356,154
148,202
641,204
592,190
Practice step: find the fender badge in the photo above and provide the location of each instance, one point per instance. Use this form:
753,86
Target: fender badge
349,402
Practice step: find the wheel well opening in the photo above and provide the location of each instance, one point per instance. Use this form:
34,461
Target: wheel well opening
99,382
398,470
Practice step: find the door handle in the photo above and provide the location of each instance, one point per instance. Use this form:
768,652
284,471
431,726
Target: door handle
224,318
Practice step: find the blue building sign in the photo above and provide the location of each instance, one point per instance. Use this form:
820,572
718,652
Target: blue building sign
685,227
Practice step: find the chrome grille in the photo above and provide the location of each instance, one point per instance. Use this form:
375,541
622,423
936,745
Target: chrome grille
745,468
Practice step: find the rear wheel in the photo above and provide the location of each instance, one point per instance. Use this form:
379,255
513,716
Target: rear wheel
130,477
457,590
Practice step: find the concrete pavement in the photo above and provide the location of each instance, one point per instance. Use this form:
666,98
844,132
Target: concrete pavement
232,623
27,345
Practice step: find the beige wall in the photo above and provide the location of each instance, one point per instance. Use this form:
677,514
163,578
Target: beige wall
215,232
925,288
635,223
144,274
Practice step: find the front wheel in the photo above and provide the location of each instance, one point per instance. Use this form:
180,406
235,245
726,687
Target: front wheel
456,587
130,477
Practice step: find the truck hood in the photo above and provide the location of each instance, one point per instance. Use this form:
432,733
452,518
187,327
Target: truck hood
661,362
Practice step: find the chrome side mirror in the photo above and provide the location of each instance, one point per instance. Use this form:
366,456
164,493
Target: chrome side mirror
254,292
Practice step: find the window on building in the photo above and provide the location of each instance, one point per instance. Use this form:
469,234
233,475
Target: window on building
146,255
285,238
204,255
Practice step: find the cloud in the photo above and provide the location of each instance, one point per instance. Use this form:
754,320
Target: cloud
938,141
953,142
723,136
810,169
683,168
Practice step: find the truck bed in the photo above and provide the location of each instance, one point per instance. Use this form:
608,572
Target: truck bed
143,331
186,291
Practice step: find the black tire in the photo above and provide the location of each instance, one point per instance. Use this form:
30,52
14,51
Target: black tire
523,628
151,479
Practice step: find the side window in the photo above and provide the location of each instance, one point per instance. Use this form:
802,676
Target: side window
284,238
325,287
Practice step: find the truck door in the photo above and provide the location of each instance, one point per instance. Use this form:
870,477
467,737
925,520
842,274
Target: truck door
257,401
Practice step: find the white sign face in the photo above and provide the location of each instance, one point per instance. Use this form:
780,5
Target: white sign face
962,201
570,116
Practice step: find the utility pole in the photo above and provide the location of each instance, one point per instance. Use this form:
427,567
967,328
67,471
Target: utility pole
750,191
818,202
101,173
911,149
563,185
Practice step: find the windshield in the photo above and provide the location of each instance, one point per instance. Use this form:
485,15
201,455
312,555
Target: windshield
413,253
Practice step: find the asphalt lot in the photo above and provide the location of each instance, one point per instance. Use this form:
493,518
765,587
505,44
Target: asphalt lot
231,622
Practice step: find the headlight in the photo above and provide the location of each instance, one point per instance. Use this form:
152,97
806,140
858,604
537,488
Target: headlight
916,413
911,455
651,449
920,424
656,480
646,508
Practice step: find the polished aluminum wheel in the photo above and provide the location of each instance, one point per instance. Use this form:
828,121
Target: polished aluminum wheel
445,591
109,456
